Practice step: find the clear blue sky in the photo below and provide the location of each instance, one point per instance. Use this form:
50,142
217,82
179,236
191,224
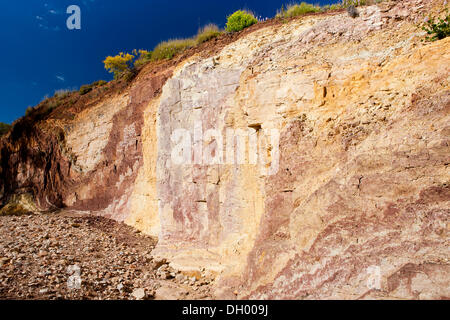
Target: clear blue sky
40,55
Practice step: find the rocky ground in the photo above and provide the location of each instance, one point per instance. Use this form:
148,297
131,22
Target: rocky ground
45,257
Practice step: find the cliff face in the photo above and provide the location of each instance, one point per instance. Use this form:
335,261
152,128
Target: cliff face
347,195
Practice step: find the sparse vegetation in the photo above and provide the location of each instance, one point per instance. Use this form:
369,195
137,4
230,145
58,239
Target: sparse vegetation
122,65
143,56
355,3
49,105
168,49
335,6
295,10
62,93
240,20
84,89
437,29
126,65
44,108
4,128
207,33
100,83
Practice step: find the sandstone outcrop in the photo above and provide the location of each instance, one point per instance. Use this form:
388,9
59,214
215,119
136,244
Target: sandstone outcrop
357,205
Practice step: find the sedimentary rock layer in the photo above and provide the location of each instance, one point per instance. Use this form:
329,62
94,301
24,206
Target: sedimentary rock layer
357,204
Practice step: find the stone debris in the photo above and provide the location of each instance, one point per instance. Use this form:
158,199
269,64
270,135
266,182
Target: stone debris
60,256
139,294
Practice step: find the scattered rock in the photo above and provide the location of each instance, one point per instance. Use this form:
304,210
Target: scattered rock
50,258
180,277
139,294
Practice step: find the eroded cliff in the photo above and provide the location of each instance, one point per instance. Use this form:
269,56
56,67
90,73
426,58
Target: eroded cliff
360,190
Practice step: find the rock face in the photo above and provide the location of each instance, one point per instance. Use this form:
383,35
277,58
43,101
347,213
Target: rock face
344,195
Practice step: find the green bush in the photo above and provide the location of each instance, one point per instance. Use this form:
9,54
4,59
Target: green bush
4,128
240,20
295,10
437,29
168,49
207,33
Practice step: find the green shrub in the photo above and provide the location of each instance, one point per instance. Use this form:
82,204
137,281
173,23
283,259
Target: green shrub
295,10
207,33
437,29
240,20
168,49
4,128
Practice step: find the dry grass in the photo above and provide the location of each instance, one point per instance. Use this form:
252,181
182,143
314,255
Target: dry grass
207,33
295,10
168,49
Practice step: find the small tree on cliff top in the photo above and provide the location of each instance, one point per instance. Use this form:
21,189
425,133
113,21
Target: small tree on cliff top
118,64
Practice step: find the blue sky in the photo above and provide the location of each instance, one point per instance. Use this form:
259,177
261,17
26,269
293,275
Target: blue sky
40,55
